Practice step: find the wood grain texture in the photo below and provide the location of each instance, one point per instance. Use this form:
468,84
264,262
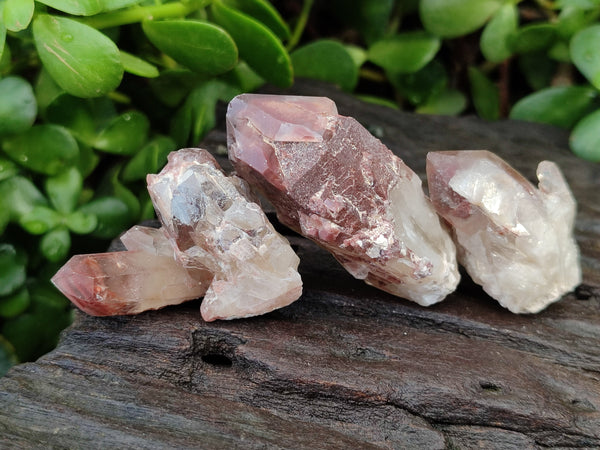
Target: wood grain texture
346,366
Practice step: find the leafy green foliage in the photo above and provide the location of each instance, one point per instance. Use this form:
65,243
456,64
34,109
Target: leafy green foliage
452,18
585,140
18,107
405,52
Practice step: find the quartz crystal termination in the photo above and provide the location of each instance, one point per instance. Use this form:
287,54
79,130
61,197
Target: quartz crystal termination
332,181
514,240
214,225
147,276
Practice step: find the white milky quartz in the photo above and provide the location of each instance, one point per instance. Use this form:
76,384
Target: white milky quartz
213,223
514,240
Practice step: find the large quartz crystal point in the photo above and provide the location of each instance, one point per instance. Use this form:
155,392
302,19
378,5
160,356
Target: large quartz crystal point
332,181
516,241
213,224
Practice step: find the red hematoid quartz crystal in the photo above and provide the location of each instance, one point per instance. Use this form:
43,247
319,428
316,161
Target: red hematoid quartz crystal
332,181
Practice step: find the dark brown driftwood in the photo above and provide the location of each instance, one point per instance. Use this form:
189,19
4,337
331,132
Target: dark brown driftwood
347,365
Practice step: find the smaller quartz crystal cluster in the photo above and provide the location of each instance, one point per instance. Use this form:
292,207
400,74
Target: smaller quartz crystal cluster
215,242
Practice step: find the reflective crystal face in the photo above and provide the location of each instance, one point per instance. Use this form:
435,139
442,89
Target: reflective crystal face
213,224
332,181
513,239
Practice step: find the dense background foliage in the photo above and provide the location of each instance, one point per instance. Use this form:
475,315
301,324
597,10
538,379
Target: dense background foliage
95,93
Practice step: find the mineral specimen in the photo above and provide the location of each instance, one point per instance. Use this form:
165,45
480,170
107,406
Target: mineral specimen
331,180
514,240
213,224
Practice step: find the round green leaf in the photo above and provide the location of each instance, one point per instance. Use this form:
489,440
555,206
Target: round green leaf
570,21
449,102
486,97
12,270
17,14
404,53
452,18
81,223
495,37
328,61
40,220
73,113
265,13
88,160
533,38
420,85
55,245
2,39
150,159
124,135
138,66
200,46
112,214
82,60
369,17
8,357
64,189
585,138
585,55
47,149
538,69
18,196
7,169
110,5
46,90
560,106
75,7
14,304
18,106
258,46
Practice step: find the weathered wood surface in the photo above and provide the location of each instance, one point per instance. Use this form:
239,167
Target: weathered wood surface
346,366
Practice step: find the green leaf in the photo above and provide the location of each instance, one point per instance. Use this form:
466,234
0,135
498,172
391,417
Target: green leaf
560,52
7,169
55,245
570,21
75,114
18,14
14,304
486,97
75,7
8,357
585,54
538,69
243,78
2,36
585,139
137,66
328,61
533,38
369,17
173,85
124,135
111,5
40,220
81,223
453,18
265,13
112,214
12,270
581,4
150,159
417,87
47,149
18,196
112,186
449,102
82,60
200,46
46,90
378,101
494,40
560,106
404,53
358,54
5,54
88,160
258,46
64,190
18,107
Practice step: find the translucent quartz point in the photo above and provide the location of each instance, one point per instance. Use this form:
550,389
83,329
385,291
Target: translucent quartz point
107,284
213,224
332,181
516,241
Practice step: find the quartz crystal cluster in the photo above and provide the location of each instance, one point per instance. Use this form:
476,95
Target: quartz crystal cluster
516,241
335,183
215,241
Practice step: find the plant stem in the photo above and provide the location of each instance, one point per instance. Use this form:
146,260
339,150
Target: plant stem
141,13
300,25
372,75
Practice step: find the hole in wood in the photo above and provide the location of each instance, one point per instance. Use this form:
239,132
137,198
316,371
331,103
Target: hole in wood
489,386
216,359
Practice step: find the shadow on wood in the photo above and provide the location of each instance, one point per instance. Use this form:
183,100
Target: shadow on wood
346,365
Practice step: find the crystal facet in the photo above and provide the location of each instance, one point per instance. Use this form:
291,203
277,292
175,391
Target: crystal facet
214,224
516,241
331,180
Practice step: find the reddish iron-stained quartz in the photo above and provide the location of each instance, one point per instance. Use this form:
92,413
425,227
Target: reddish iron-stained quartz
332,181
214,224
516,241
